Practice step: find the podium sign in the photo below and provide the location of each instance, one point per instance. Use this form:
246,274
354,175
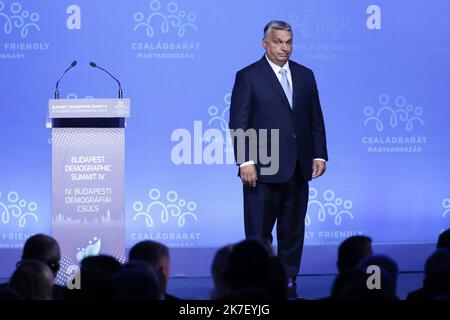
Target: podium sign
89,108
88,164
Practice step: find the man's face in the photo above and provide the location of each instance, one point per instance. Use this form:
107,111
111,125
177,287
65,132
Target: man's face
278,46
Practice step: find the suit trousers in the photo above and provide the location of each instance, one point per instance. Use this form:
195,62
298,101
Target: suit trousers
284,204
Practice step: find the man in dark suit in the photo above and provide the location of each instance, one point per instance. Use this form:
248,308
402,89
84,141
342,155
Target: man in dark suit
275,115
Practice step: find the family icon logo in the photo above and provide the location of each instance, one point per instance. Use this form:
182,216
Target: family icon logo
14,208
397,123
166,32
18,19
328,206
172,207
19,27
160,20
399,114
321,19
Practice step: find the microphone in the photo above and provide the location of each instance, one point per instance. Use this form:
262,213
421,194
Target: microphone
94,65
73,64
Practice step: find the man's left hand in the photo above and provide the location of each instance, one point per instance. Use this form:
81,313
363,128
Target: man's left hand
318,169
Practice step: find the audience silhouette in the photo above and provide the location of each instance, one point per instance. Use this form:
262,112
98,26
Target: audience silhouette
247,270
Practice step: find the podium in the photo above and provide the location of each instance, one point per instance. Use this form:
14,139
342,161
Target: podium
88,164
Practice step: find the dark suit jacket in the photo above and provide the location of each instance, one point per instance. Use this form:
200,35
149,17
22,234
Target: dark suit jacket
259,102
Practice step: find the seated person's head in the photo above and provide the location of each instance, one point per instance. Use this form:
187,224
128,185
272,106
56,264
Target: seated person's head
45,249
33,280
138,280
354,284
103,262
437,273
388,269
351,251
95,284
444,240
155,253
248,266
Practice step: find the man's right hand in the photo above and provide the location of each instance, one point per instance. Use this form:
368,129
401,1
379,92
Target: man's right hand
248,175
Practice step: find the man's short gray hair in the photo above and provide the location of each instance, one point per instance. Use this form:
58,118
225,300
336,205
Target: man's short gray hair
276,25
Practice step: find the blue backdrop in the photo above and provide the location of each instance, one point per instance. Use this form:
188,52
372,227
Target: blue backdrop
382,68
